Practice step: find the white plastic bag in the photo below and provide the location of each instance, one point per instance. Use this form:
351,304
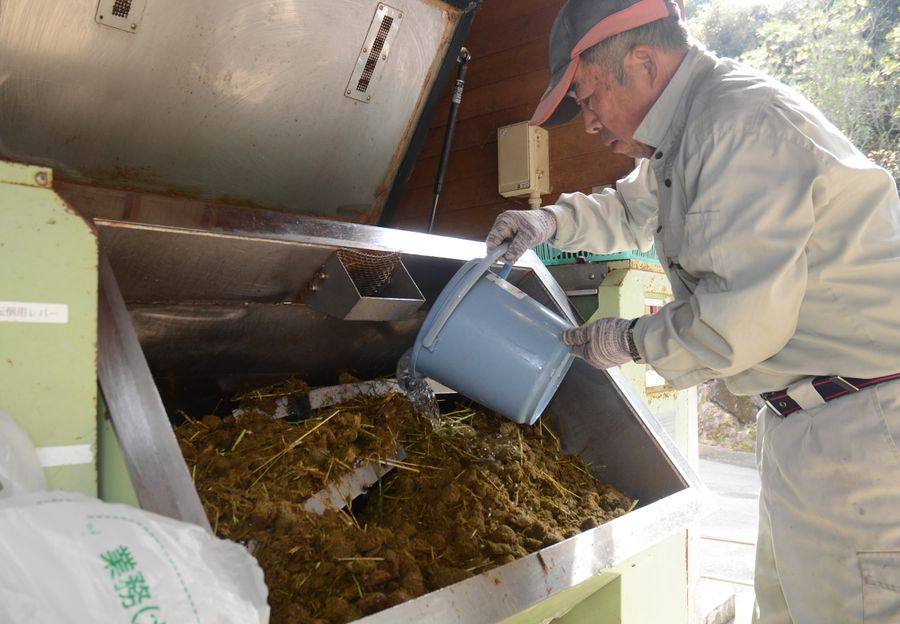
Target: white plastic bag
20,469
69,558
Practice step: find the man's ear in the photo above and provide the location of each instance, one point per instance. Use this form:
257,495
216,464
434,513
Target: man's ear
641,62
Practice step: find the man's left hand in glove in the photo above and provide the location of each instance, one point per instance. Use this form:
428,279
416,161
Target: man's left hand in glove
602,344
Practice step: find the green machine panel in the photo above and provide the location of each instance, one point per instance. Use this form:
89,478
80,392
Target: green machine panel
48,325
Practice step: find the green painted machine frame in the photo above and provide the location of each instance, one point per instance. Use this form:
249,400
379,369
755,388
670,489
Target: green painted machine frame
48,325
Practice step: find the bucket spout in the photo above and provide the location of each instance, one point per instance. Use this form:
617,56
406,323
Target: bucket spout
416,388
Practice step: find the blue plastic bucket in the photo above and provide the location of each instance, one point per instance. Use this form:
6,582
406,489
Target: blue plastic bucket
492,343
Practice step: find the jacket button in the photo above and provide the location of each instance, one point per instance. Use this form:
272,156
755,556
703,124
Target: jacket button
658,155
659,229
668,182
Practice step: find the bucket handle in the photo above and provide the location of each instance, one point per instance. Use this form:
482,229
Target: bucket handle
469,280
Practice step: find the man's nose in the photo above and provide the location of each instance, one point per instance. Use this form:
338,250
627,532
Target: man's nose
591,121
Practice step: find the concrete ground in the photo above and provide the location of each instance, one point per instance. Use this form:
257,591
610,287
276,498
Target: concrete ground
728,536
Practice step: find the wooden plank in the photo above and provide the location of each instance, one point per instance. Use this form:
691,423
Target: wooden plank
474,192
495,14
571,150
534,25
473,182
579,174
472,222
504,93
566,141
479,130
462,165
509,63
570,139
586,171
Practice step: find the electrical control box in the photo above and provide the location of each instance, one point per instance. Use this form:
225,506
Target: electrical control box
523,159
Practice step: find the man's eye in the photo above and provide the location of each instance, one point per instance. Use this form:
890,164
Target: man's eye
580,102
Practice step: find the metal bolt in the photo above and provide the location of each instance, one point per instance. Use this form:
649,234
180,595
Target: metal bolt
321,274
365,50
348,91
591,276
134,27
384,57
381,7
41,178
368,97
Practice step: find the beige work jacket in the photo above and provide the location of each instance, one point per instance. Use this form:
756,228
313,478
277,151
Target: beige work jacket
781,240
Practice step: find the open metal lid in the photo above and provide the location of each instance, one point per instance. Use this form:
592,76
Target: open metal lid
299,105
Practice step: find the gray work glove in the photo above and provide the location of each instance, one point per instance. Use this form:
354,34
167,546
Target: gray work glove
526,228
602,344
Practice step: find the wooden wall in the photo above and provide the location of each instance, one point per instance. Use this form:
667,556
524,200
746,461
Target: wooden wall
506,77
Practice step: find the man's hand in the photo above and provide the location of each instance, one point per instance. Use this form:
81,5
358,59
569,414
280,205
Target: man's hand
525,228
602,344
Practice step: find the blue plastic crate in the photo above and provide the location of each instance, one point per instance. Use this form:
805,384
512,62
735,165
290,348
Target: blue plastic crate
551,256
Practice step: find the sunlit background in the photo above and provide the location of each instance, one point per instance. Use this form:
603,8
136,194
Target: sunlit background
844,55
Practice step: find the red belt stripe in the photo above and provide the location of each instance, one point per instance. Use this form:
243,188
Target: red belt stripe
829,388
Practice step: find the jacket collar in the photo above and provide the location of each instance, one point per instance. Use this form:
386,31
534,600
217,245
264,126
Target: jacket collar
666,119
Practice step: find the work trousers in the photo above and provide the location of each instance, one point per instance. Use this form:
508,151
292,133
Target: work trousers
828,550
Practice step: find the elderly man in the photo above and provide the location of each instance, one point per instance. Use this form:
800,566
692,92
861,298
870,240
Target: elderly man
782,244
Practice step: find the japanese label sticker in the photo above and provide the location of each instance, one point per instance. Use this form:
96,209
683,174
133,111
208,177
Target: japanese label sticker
24,312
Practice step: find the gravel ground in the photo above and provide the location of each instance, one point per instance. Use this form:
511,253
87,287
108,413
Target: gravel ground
726,420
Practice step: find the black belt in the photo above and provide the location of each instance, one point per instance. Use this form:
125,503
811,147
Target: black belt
829,388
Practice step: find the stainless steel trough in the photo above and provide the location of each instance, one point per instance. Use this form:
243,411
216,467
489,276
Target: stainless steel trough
212,293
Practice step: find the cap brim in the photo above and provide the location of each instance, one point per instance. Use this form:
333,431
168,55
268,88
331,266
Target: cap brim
567,110
555,106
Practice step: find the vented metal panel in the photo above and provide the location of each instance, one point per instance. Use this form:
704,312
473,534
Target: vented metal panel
121,14
121,8
235,100
374,53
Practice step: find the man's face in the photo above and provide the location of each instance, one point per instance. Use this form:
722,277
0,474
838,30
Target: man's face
612,110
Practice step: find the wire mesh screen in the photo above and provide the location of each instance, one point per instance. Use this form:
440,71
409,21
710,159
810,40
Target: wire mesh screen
370,270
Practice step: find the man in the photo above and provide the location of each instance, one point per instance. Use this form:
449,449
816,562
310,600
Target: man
782,244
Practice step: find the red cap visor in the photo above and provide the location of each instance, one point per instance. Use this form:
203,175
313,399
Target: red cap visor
635,16
551,100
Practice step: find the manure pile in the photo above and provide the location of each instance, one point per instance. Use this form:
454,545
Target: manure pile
475,491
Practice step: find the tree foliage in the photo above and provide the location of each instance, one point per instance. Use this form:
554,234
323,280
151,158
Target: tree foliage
844,55
727,28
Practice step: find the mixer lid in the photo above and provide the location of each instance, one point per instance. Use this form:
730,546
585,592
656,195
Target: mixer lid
300,105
